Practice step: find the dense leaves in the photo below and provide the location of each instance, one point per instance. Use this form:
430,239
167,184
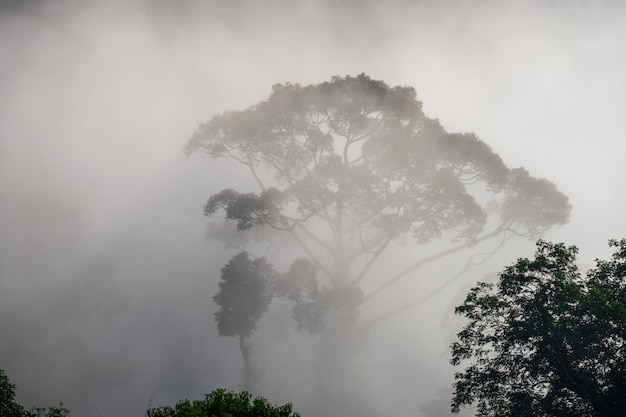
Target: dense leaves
244,295
546,340
224,403
355,160
10,408
247,209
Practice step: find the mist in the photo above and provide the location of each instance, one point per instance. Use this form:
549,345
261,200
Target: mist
106,275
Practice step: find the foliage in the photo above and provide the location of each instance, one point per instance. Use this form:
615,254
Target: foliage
244,295
343,170
347,166
59,411
546,340
10,408
224,403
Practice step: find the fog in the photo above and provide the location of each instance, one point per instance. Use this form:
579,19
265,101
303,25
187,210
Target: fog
106,275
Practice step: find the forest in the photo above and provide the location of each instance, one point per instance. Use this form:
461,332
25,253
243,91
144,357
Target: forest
345,169
322,207
545,340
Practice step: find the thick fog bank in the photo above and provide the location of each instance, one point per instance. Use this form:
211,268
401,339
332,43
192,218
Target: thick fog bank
106,276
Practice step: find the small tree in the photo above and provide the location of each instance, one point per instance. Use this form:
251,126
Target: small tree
224,403
10,408
545,340
245,294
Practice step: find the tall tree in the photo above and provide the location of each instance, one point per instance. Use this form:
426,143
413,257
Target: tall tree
346,167
546,341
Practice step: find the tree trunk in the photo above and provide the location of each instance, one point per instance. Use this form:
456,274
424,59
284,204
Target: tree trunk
338,376
250,374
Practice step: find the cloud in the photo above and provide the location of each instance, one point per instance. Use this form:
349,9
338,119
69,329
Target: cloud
105,276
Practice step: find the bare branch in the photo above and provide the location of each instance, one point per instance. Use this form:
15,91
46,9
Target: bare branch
427,260
310,254
470,262
316,239
256,177
370,244
371,262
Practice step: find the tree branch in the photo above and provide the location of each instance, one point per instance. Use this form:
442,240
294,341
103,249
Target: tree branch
372,131
311,255
249,164
256,177
427,260
313,237
367,246
441,287
371,262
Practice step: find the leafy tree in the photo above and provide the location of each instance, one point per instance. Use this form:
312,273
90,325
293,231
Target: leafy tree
59,411
344,169
546,340
243,298
10,408
223,403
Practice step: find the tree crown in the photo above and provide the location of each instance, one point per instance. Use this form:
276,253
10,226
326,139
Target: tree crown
225,403
546,340
347,166
360,147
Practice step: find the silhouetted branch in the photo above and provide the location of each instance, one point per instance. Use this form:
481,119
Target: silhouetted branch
427,260
470,262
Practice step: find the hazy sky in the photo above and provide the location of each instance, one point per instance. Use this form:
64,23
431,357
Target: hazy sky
106,277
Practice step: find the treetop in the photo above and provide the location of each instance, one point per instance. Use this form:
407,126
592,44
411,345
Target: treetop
362,147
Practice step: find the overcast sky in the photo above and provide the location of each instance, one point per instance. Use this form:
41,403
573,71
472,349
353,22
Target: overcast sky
106,277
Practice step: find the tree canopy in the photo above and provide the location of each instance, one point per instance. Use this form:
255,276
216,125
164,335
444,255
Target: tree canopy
9,407
546,340
347,166
244,296
245,283
224,403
